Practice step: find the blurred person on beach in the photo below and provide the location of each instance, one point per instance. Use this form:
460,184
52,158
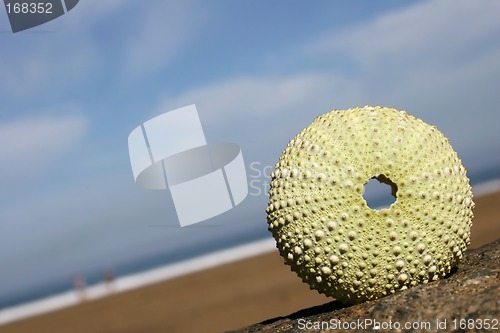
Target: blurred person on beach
80,287
109,280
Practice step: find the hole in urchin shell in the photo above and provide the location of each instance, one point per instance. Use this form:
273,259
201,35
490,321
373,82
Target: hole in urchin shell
380,192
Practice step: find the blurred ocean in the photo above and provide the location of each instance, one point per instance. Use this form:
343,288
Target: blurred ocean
61,293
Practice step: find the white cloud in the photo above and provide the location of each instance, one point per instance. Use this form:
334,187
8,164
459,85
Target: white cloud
30,144
33,67
399,56
429,33
162,31
253,97
92,38
429,49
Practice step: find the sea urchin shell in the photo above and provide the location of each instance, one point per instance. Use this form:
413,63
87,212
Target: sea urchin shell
330,237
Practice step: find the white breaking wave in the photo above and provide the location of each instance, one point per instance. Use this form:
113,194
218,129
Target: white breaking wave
486,188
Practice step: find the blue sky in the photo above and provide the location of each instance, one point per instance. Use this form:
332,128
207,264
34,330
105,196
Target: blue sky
73,89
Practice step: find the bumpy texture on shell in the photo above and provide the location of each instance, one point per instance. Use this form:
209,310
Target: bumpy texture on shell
333,240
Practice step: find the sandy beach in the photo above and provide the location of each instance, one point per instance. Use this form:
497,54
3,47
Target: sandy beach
215,300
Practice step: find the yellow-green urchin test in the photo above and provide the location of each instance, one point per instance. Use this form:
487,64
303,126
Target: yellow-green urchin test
323,226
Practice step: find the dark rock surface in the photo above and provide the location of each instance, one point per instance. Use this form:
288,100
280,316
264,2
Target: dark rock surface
467,301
